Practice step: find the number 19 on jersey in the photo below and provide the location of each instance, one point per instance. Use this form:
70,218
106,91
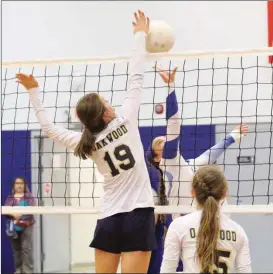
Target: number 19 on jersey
123,159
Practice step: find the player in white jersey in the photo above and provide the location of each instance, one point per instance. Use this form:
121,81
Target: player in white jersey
126,221
207,240
177,171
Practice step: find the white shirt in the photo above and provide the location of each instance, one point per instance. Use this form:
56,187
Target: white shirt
119,154
180,242
177,171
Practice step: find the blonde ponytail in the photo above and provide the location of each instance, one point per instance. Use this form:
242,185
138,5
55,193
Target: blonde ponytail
208,235
210,186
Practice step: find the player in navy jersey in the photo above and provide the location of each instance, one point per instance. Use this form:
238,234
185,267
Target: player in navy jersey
160,195
125,228
170,174
207,240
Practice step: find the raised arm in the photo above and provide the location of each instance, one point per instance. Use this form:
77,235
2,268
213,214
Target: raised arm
131,103
211,155
173,117
65,137
171,156
176,170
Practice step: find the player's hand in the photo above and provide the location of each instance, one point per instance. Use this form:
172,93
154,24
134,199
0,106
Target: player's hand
167,77
142,23
28,81
243,129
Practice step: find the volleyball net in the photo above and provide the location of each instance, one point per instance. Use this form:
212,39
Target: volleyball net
216,91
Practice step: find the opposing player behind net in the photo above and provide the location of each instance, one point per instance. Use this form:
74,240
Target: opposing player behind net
126,222
157,178
166,150
207,240
167,189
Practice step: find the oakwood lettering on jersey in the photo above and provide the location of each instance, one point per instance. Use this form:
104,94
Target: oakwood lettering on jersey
224,235
114,135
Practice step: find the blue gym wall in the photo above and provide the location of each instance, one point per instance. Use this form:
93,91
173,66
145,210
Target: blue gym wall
16,161
194,140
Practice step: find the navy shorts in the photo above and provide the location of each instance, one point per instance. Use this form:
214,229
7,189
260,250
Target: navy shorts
126,232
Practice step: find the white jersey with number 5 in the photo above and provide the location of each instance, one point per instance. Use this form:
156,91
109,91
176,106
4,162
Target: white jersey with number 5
118,151
233,254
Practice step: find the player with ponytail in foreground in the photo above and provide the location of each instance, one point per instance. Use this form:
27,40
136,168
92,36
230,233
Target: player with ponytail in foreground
207,240
125,228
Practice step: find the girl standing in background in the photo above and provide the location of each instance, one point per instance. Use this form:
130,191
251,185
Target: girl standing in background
20,227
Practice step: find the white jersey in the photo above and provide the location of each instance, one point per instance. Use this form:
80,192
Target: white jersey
179,173
118,151
180,243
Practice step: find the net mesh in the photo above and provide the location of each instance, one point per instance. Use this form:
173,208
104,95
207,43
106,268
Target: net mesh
214,93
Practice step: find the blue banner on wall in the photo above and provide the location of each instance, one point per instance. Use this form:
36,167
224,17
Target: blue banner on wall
194,140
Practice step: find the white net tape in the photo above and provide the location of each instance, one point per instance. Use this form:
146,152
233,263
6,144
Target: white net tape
267,51
37,210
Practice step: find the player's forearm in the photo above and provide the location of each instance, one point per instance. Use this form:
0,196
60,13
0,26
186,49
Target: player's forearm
172,159
63,136
40,112
137,61
136,66
131,103
173,116
173,125
211,155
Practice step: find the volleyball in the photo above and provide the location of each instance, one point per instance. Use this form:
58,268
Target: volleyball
160,37
90,141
